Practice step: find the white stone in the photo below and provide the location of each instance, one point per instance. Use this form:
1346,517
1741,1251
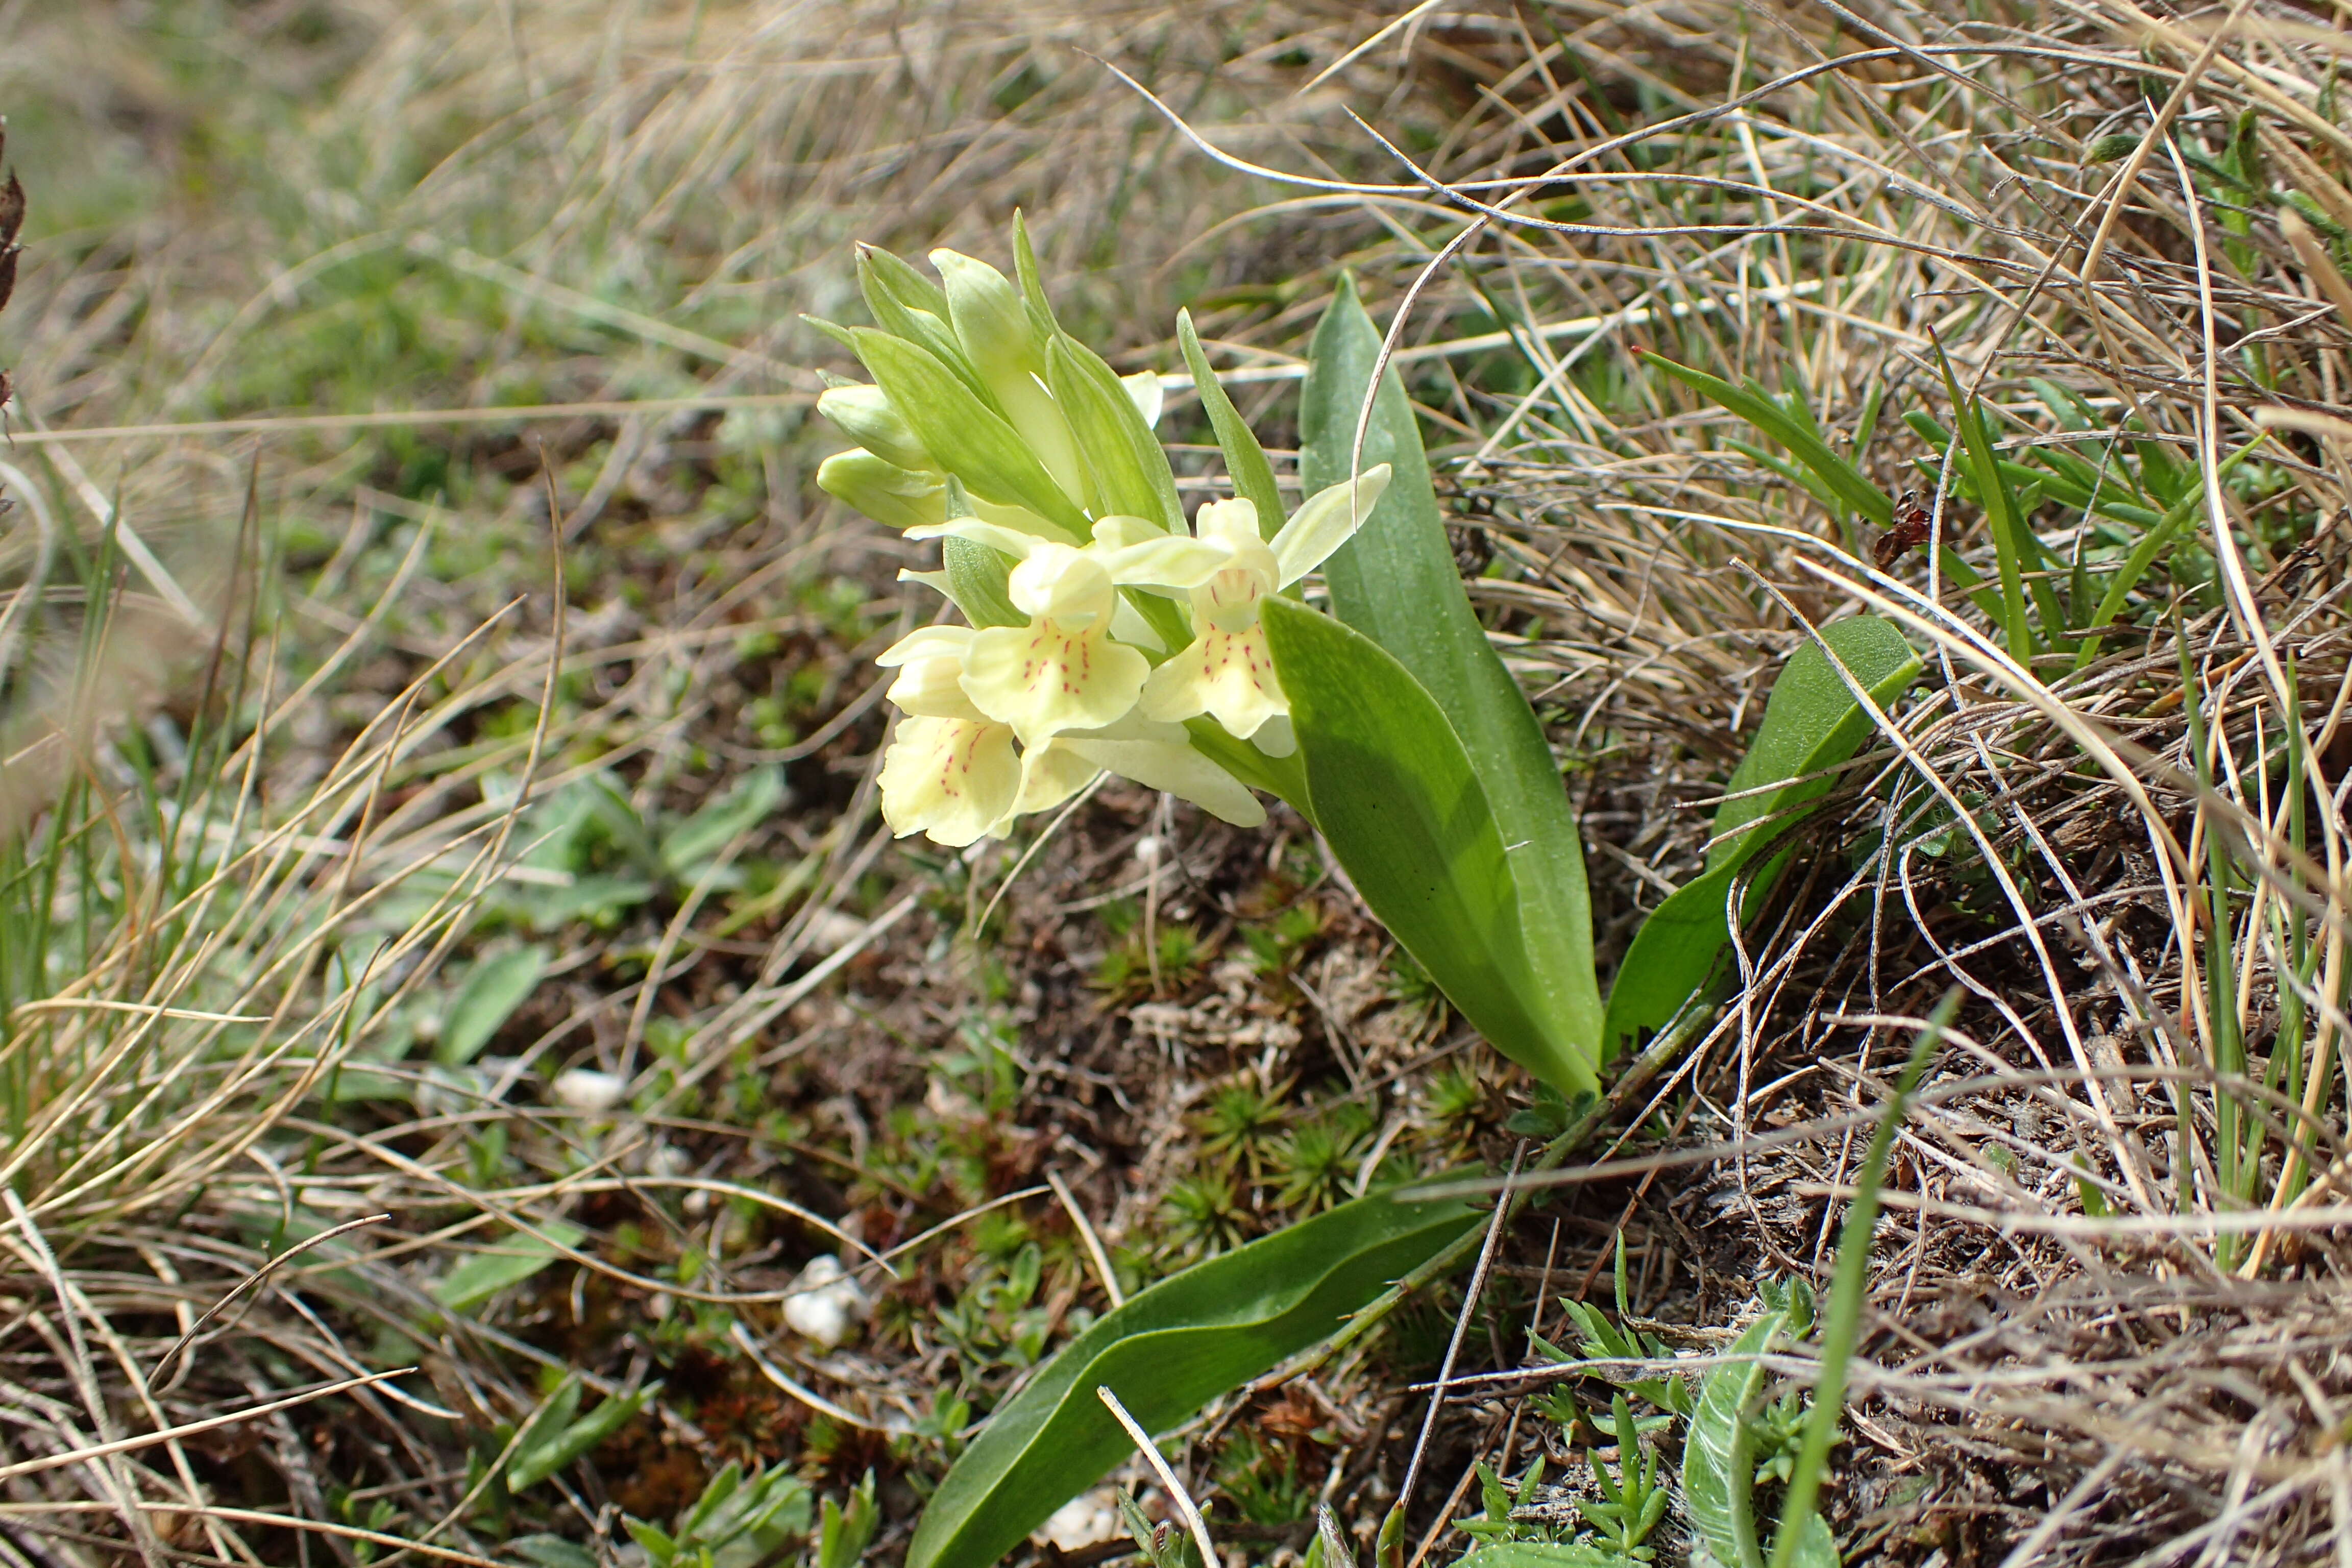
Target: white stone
590,1091
1087,1520
825,1302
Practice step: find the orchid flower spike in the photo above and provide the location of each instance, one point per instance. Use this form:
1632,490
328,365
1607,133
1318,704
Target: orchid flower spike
1228,671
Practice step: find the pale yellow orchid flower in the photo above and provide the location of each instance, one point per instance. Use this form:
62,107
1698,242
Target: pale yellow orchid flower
1064,670
1228,671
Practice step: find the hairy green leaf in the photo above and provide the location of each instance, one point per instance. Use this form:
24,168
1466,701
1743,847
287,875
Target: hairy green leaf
1542,1555
1811,722
1167,1352
1393,791
1396,582
1718,1465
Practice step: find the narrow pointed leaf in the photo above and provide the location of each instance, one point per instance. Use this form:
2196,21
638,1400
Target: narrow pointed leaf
1245,462
1167,1352
1751,403
1393,791
1811,722
1396,582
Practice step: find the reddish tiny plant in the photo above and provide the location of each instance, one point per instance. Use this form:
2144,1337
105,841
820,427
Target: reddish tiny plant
12,218
1906,531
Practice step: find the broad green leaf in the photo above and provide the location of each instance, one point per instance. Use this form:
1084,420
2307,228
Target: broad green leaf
493,990
1759,407
750,801
964,434
1167,1352
1718,1469
553,1439
501,1264
1245,462
1811,722
1540,1555
1393,791
1396,582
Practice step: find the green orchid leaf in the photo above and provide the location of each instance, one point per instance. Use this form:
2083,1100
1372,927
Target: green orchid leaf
1245,462
1165,1354
1759,408
1392,790
1719,1462
1396,582
906,304
1811,722
965,435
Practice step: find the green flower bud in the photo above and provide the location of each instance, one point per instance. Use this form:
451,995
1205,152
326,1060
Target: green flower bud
865,417
992,326
892,496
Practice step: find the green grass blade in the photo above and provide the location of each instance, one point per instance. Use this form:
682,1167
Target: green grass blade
1393,791
1751,403
1167,1352
1842,1323
2152,544
1396,582
1811,722
2008,550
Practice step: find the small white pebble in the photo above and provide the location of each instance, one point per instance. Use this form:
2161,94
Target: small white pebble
589,1090
1087,1520
833,929
825,1302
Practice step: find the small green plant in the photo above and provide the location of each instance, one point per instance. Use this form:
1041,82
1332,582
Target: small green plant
735,1523
1632,1503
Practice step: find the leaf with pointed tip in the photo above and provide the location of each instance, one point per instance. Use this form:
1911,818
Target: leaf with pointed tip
1393,791
1811,722
1719,1462
965,435
1245,462
1166,1353
1396,582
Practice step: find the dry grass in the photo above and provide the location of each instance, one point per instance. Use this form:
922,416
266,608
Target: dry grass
2079,1349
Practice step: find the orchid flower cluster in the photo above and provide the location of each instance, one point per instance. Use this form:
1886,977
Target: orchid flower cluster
1104,634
